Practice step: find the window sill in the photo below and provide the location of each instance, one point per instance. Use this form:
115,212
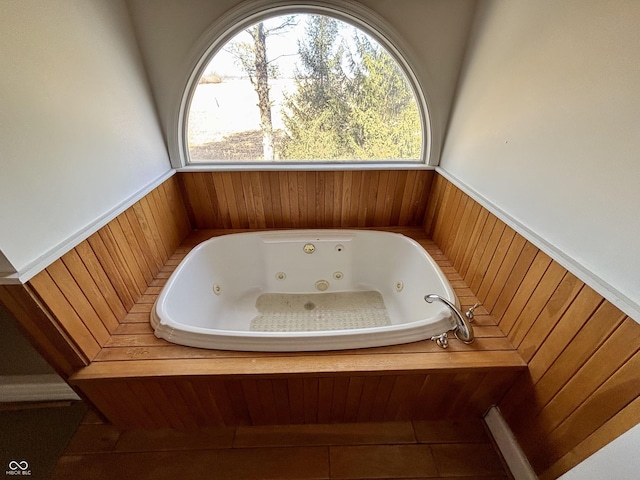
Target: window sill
306,166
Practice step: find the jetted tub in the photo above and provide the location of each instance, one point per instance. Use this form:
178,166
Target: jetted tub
304,290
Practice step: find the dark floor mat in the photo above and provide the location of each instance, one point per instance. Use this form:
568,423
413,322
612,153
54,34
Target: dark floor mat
33,438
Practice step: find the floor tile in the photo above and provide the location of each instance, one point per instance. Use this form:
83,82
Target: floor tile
469,430
93,438
336,434
470,460
92,418
169,439
382,461
239,464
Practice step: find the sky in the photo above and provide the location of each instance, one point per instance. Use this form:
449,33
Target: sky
284,46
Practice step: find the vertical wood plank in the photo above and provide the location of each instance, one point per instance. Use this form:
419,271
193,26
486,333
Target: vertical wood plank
385,387
472,243
310,386
78,301
124,250
237,400
220,198
42,330
65,315
615,393
305,199
606,433
537,301
354,394
325,399
434,209
213,389
282,401
295,388
369,392
177,207
467,224
487,256
141,393
90,290
163,403
111,270
150,212
101,279
483,241
151,259
512,284
564,329
339,398
285,200
267,401
403,397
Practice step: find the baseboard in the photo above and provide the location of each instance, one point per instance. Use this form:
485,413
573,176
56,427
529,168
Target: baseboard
34,388
505,440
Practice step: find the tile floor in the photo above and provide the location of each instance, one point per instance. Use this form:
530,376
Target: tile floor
452,449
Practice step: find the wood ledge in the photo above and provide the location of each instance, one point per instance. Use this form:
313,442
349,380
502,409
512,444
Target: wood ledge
134,352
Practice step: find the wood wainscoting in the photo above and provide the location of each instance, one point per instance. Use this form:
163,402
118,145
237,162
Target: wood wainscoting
306,199
70,309
88,312
582,388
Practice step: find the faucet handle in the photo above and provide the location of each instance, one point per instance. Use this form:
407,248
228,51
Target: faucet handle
469,313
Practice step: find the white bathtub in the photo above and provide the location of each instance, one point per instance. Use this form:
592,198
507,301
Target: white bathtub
303,290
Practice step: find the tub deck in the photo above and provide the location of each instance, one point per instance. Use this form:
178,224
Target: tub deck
135,364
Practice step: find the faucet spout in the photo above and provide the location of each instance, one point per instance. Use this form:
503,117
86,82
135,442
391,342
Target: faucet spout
463,330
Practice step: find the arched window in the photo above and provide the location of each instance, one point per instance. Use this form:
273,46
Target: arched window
303,83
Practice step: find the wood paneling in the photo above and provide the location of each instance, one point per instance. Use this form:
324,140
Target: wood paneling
88,314
184,387
71,308
45,335
194,402
581,391
306,199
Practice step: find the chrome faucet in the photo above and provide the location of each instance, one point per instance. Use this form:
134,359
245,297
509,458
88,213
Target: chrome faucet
463,330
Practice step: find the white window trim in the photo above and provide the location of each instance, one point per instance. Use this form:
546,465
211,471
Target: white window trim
251,12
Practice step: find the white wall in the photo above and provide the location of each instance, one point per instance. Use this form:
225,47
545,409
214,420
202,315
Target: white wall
79,134
435,31
546,129
616,461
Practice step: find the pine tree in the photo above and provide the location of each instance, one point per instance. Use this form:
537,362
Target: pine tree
367,113
317,115
385,121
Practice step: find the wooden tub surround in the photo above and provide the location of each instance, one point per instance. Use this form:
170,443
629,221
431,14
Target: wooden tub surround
196,387
559,360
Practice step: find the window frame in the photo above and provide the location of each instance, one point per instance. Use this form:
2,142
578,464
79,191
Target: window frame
253,11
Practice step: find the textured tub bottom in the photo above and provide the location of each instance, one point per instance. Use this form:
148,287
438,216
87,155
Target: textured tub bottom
304,312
